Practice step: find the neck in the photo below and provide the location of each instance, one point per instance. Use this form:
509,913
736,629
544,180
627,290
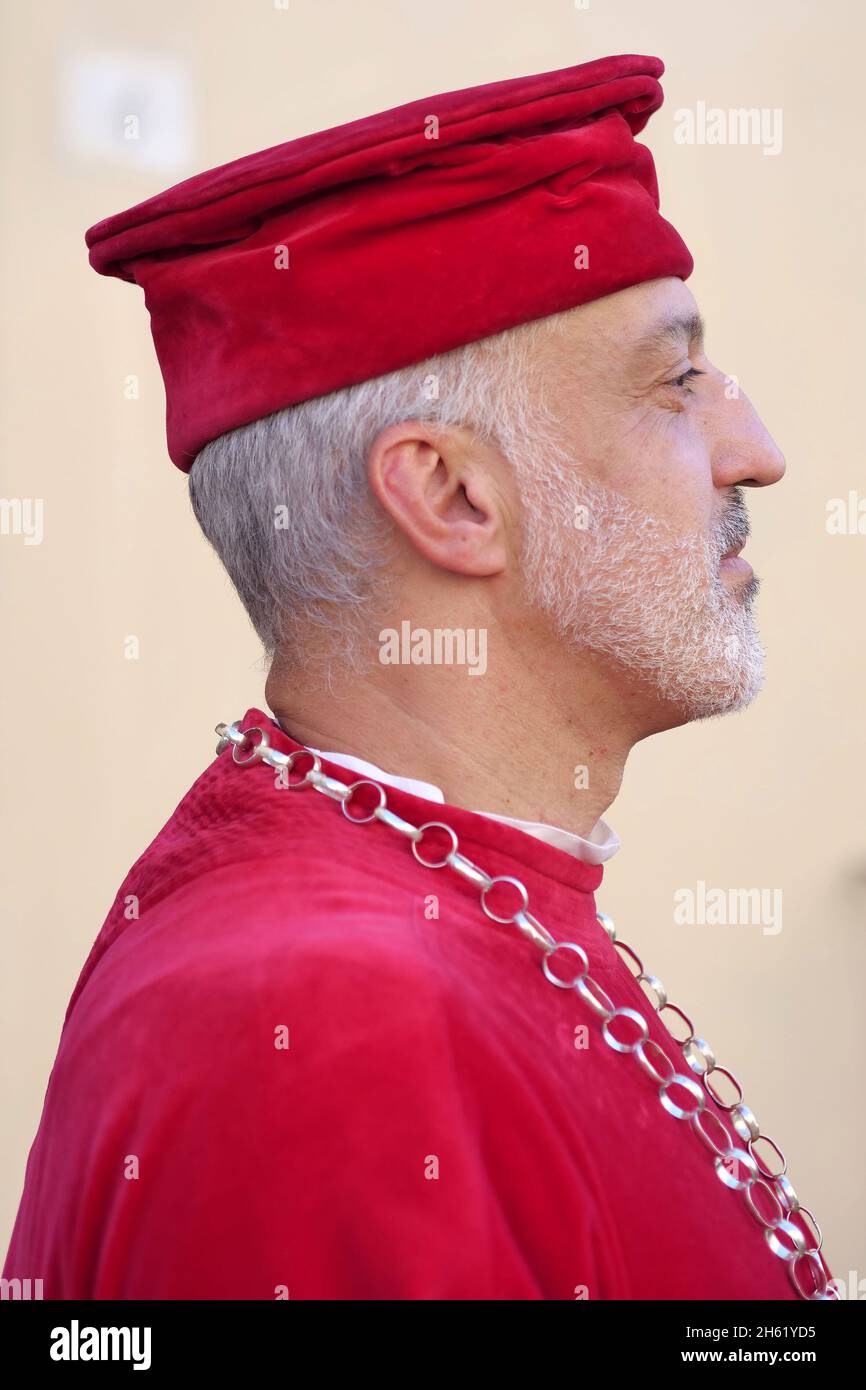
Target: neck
509,743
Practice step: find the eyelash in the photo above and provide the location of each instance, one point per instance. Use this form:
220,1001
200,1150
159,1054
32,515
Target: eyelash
680,382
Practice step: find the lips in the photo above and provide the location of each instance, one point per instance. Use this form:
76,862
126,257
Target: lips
731,563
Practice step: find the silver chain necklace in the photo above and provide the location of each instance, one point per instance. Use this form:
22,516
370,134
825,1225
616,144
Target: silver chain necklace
767,1190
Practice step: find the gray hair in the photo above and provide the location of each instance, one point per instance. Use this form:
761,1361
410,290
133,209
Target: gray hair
285,500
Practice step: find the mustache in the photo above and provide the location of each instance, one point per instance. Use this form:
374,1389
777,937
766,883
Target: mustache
733,529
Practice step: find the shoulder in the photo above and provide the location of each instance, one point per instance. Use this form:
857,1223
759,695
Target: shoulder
252,951
327,1073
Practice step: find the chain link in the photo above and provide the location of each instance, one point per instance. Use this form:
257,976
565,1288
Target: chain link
738,1167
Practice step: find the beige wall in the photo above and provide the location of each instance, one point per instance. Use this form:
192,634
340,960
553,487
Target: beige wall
98,748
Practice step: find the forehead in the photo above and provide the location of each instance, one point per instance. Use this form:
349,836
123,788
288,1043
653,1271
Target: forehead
656,316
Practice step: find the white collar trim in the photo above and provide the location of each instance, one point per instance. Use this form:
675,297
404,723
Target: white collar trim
601,844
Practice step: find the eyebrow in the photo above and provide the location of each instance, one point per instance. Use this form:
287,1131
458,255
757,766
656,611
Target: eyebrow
669,332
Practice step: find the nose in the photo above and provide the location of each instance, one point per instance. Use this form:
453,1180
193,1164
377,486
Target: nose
745,453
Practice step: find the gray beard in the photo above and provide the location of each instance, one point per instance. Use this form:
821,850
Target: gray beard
629,588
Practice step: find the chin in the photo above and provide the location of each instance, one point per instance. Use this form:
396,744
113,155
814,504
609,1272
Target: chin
712,694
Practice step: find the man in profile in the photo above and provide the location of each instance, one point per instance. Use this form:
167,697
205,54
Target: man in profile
438,383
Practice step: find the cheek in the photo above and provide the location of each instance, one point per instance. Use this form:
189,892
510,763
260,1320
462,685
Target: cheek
664,468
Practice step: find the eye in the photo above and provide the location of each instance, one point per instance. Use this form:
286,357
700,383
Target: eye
682,382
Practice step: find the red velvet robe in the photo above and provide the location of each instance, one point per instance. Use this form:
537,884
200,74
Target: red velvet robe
430,1130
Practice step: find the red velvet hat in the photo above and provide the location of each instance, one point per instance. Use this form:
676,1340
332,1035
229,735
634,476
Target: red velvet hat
349,253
